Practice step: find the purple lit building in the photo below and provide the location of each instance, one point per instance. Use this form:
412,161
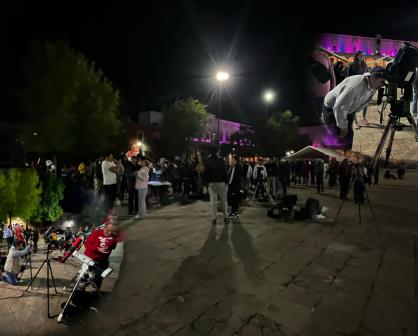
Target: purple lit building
377,50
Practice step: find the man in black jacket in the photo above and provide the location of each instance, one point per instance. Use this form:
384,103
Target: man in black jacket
216,177
131,169
234,186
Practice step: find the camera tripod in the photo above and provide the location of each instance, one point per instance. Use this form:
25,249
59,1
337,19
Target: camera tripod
394,124
46,262
261,186
28,261
359,202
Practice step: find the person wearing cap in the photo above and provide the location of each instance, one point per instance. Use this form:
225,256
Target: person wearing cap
351,95
358,67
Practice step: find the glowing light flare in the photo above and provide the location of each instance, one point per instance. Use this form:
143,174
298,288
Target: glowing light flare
222,76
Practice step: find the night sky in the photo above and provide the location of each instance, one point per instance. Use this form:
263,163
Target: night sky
157,53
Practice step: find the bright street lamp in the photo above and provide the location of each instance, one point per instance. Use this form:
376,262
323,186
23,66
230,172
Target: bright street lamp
221,77
268,97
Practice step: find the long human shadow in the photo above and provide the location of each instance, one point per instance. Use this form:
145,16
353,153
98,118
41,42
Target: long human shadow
193,288
246,252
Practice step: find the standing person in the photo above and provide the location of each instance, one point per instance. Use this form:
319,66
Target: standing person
131,168
332,172
340,72
358,67
247,172
319,176
142,178
216,175
344,174
19,234
109,171
35,239
8,234
13,264
260,176
234,186
98,176
271,168
351,95
312,171
99,246
284,176
1,232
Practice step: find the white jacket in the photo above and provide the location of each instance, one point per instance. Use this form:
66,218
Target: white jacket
263,171
14,259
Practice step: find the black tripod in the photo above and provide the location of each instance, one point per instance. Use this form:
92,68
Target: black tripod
359,202
46,262
28,261
393,124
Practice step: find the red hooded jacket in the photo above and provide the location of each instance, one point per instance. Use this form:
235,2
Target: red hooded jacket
99,240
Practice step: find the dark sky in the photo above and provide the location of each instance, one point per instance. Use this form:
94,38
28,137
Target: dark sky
157,53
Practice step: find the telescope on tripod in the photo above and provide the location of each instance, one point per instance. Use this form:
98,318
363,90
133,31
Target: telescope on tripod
400,74
84,277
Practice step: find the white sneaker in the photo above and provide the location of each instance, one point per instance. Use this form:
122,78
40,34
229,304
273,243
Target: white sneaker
320,216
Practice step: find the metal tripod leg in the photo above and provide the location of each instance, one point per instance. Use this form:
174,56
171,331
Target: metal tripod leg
389,147
414,125
70,283
372,211
61,315
382,143
31,282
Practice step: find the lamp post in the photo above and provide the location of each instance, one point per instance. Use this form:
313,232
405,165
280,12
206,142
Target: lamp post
221,77
268,98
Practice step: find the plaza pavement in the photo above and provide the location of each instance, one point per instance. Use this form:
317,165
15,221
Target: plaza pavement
25,313
261,276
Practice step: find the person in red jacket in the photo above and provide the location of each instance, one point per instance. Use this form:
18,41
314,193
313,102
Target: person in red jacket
99,245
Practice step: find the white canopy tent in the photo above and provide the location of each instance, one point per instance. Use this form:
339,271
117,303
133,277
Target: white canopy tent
311,152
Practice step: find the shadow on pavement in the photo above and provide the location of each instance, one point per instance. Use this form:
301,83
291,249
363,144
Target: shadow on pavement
245,250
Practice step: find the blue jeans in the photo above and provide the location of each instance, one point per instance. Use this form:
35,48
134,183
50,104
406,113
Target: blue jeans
10,278
142,206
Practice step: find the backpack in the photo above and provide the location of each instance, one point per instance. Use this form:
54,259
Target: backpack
319,71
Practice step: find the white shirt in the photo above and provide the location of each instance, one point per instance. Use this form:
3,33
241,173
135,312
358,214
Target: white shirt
351,95
108,176
263,171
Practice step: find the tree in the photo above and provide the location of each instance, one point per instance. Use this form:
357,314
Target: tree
19,193
68,104
182,120
49,208
279,134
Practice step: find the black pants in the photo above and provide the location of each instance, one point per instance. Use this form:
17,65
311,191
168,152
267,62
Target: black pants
344,185
320,183
109,196
97,271
331,125
132,201
284,182
233,198
9,242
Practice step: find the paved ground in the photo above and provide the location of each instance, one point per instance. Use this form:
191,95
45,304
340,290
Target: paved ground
260,276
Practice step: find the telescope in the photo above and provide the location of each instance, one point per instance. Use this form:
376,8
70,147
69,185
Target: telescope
83,274
399,74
